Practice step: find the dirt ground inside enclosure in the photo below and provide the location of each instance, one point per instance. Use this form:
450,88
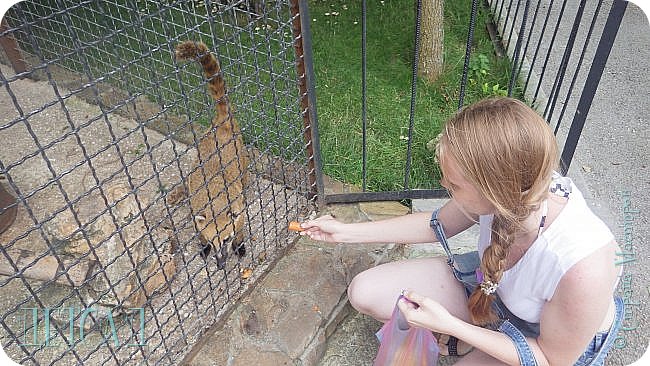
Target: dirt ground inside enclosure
183,293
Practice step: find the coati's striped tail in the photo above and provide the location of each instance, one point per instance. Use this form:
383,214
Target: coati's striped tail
190,50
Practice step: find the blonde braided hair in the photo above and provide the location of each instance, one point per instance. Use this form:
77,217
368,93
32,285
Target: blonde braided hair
508,152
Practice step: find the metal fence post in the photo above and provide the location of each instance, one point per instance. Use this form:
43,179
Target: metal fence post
306,82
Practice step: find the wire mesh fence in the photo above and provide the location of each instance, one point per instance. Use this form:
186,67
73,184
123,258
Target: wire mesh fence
140,197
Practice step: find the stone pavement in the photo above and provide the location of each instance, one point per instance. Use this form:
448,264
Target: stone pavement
293,312
288,317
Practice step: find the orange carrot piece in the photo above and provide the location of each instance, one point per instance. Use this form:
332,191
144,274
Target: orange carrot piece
295,226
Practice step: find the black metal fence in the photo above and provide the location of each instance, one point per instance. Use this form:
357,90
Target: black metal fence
558,50
104,236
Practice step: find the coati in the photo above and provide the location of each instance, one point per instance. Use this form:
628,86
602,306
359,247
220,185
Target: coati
216,184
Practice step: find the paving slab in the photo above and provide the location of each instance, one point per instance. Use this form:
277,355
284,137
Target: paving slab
288,317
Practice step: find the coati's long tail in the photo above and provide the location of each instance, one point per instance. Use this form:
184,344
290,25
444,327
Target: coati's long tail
190,50
216,184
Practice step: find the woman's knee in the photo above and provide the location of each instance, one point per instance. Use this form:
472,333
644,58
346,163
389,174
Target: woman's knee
374,291
353,292
359,293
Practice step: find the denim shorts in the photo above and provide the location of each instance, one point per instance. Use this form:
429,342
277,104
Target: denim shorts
465,271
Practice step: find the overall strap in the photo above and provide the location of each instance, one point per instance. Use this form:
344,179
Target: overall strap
436,225
525,353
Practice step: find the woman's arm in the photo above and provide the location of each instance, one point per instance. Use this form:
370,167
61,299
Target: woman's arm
411,228
580,305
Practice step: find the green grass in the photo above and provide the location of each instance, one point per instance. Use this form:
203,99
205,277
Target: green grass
336,31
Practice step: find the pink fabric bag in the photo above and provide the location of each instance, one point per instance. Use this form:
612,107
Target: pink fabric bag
402,345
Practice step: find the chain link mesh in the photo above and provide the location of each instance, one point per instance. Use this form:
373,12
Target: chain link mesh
101,259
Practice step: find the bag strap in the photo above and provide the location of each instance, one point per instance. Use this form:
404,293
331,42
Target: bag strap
436,225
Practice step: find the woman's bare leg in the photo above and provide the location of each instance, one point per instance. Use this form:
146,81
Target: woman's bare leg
375,291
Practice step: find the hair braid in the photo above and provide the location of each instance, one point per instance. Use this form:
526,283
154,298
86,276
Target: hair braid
492,265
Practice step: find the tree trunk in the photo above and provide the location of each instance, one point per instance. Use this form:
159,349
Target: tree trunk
430,63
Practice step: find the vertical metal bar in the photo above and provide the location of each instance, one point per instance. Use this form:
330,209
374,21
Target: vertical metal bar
568,50
593,78
517,51
364,98
549,51
512,26
505,23
528,38
578,67
306,84
414,83
537,48
468,53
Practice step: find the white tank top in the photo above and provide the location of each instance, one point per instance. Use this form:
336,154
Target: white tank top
575,234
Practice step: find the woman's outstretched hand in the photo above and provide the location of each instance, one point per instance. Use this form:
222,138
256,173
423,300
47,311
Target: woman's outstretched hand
426,313
324,228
